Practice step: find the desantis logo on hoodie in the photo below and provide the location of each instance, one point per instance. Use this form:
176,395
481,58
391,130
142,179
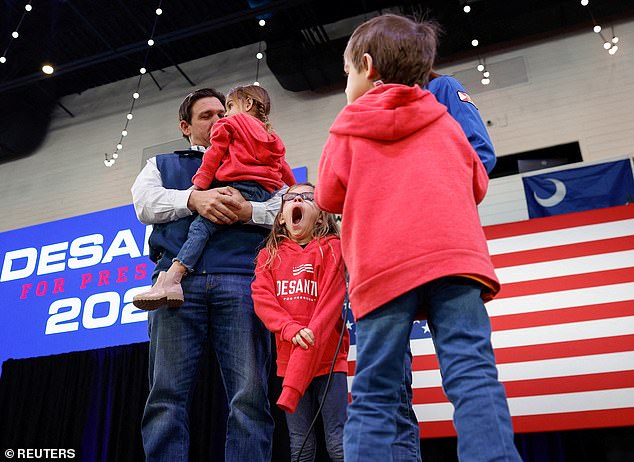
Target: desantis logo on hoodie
299,288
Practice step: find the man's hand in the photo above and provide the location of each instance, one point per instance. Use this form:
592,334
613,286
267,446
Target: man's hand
304,338
246,209
220,205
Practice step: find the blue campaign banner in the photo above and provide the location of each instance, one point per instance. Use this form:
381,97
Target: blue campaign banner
586,188
300,174
68,285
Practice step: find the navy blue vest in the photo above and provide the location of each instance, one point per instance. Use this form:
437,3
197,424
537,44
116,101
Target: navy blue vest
231,250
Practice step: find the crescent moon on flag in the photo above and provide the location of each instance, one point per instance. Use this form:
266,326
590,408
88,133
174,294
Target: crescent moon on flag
560,194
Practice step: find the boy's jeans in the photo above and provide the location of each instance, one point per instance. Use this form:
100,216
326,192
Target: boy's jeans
406,447
333,414
461,332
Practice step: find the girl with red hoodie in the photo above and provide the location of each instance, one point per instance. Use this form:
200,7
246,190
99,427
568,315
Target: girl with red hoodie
298,292
246,154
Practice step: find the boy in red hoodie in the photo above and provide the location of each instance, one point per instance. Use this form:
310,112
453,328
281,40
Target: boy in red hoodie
408,182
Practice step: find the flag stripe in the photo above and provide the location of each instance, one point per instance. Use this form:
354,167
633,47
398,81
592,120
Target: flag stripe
565,267
560,222
538,423
611,327
577,281
536,369
554,238
534,352
436,429
584,382
566,421
549,386
563,332
545,404
563,251
539,369
562,299
563,315
565,349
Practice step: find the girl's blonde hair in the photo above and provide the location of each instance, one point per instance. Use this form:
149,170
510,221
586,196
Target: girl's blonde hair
261,101
324,226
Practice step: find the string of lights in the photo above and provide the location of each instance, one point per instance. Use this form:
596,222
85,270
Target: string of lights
259,55
16,33
110,160
481,67
609,45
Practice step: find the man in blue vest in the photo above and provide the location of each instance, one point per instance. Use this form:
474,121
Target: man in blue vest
218,307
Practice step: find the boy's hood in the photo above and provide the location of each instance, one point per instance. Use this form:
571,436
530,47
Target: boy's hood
388,112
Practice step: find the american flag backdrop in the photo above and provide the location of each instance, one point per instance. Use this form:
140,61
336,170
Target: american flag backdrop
563,325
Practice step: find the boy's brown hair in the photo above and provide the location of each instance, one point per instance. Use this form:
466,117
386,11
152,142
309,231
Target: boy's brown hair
403,50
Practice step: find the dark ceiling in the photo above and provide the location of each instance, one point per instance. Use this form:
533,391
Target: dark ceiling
94,42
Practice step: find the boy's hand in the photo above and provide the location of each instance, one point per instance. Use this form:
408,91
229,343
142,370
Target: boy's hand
304,337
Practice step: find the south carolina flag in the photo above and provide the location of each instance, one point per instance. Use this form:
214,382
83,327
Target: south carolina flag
563,326
586,188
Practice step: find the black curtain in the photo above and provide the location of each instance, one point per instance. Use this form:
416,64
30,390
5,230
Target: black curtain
92,402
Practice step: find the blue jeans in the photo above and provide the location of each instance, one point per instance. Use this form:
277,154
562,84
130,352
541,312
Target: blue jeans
406,447
333,415
218,309
201,229
461,332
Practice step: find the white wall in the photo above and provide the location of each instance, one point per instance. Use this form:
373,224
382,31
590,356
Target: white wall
575,91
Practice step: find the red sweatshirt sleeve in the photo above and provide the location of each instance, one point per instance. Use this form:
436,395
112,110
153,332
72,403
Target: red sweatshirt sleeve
267,308
332,177
480,180
287,174
221,135
303,364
